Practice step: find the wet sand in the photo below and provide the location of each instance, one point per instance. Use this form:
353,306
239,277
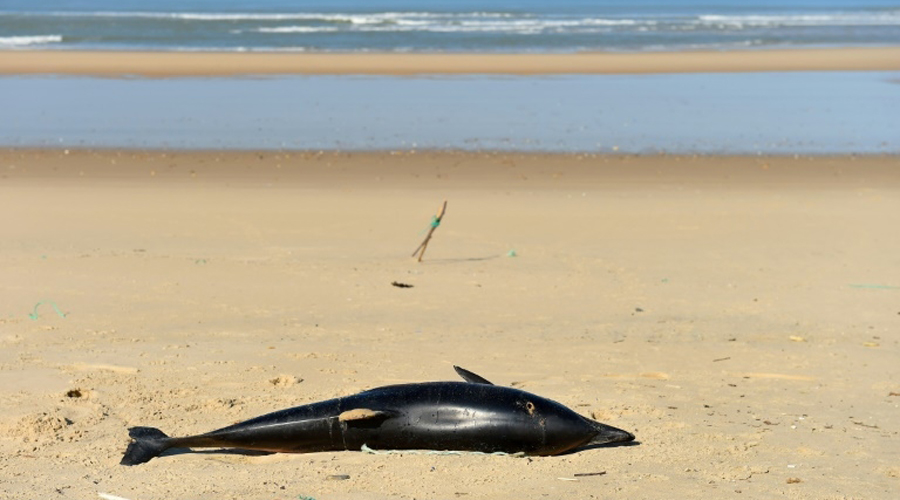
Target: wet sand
738,314
167,64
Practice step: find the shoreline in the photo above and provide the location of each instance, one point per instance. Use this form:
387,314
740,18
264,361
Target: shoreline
454,170
219,64
402,152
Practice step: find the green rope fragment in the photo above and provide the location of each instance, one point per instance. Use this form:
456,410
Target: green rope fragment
435,222
876,287
365,449
34,314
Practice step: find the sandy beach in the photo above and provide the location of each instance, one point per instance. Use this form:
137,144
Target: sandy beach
738,314
167,64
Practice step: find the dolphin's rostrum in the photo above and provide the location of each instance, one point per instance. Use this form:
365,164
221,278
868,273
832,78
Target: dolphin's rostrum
464,416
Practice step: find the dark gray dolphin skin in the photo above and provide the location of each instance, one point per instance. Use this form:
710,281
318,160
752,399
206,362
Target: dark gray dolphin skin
463,416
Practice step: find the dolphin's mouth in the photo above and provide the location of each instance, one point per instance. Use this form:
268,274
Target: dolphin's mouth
607,434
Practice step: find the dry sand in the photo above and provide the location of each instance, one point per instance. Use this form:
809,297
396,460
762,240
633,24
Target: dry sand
161,64
739,315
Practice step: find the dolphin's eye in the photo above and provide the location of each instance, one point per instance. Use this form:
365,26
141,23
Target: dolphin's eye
529,406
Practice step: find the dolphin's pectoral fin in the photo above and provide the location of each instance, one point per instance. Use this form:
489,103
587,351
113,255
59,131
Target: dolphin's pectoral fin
471,377
363,418
362,414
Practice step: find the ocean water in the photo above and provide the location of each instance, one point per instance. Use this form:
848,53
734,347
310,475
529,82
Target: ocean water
776,113
445,25
817,113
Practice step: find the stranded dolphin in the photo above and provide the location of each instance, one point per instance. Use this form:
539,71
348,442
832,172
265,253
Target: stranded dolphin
465,416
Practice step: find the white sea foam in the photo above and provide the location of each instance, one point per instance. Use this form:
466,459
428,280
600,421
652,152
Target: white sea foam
824,19
298,29
400,21
839,18
375,17
858,18
456,24
21,41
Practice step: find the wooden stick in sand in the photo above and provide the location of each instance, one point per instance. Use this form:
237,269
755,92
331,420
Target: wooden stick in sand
435,222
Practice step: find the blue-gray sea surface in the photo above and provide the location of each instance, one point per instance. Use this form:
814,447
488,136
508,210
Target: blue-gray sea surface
445,25
806,112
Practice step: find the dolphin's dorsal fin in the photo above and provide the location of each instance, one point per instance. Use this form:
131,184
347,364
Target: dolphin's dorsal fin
471,377
362,414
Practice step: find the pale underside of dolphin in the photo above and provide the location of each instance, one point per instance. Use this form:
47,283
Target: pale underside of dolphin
474,415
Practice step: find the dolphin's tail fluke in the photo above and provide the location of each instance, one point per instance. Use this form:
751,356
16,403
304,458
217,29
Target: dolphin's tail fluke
148,442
